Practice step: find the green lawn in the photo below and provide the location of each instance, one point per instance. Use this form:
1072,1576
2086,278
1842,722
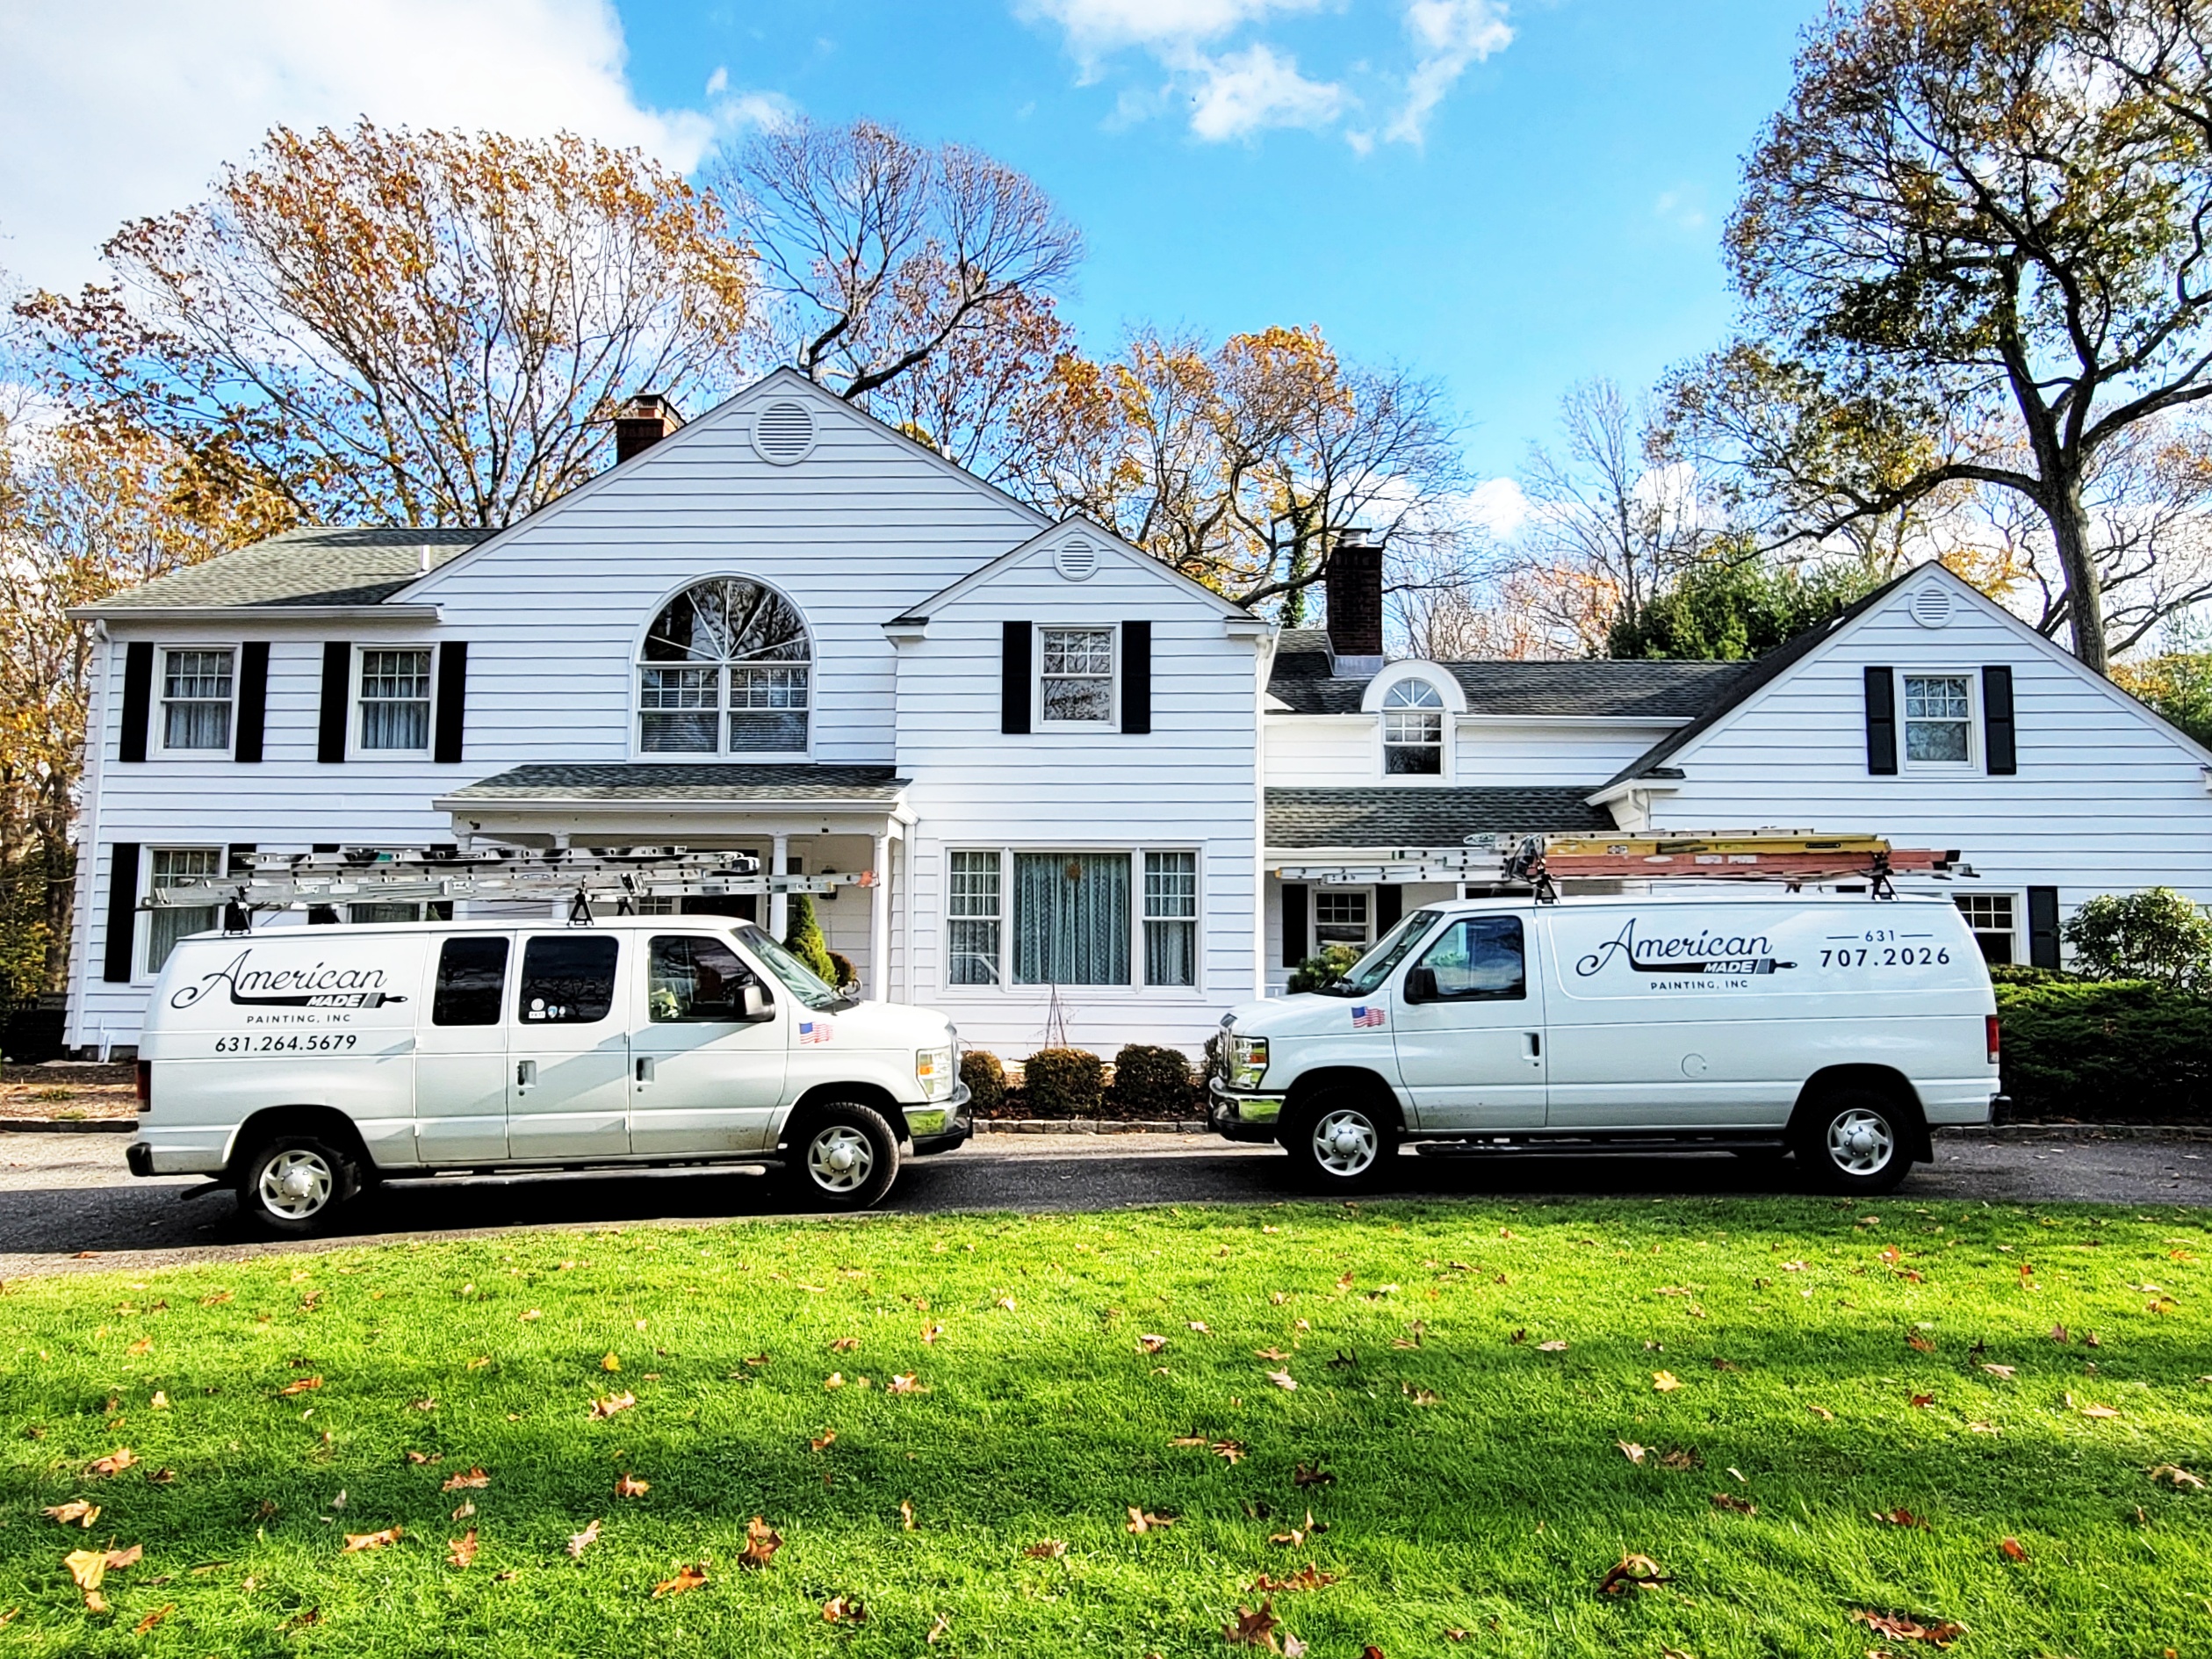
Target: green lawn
1478,1484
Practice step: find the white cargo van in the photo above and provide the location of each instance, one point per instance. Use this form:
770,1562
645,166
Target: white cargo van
298,1064
1838,1028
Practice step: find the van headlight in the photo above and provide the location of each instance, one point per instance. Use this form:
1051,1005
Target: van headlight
1247,1062
934,1071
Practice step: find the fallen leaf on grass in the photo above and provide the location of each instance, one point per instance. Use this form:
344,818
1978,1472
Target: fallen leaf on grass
1253,1629
1141,1523
844,1610
154,1618
304,1385
2011,1550
474,1481
835,1380
1556,1345
762,1542
1420,1396
2005,1372
909,1383
1943,1633
1050,1549
1283,1379
1151,1344
930,1333
1307,1578
579,1543
463,1548
1199,1326
1901,1517
479,1362
464,1510
2099,1411
630,1486
217,1299
1822,1412
828,1439
1923,1399
2179,1477
685,1578
756,1361
845,1344
612,1362
418,1459
1297,1536
1276,1354
114,1463
1678,1458
77,1512
1293,1648
1919,1344
1665,1382
1314,1475
160,1402
1730,1501
606,1405
356,1541
530,1313
1630,1574
907,1514
941,1627
1228,1451
1632,1452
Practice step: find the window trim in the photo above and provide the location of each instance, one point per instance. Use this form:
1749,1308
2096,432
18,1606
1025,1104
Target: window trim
158,717
1971,720
356,704
2016,934
1111,721
144,971
1445,745
1323,890
1006,987
721,754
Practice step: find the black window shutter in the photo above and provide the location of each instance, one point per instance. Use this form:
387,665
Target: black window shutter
1013,679
337,693
1137,678
1999,752
1294,921
1881,722
253,699
453,695
122,912
138,698
2042,926
1390,907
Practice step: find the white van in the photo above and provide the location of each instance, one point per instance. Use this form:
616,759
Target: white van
298,1064
1838,1028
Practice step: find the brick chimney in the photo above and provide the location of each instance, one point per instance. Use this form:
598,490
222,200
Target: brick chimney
1354,582
643,422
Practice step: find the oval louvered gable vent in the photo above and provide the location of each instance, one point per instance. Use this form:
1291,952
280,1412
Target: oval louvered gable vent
783,433
1075,559
1932,606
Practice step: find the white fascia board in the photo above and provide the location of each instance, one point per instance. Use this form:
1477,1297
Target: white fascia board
1633,786
1637,723
140,615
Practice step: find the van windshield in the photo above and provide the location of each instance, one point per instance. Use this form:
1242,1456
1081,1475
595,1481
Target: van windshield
801,980
1368,973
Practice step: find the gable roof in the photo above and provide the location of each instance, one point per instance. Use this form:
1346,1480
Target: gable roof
1586,688
312,566
1074,524
1387,815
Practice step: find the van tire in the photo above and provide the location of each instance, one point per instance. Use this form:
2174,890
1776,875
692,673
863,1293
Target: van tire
842,1155
1856,1141
1342,1141
294,1186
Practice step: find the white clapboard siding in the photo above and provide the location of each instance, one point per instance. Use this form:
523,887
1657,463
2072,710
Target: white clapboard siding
1345,750
1190,784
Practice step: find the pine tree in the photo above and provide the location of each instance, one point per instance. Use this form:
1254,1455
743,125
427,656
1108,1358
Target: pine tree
804,939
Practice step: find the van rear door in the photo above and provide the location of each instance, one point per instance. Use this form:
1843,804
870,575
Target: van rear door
1473,1057
568,1048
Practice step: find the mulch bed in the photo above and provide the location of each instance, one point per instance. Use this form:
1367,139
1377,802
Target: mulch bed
68,1090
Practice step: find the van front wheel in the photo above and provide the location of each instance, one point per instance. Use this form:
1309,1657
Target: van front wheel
1340,1143
844,1155
295,1185
1855,1141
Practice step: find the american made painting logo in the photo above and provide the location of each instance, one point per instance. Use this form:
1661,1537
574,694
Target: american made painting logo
320,987
1678,954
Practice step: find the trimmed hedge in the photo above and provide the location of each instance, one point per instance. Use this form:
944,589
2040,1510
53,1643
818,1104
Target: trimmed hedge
986,1080
2120,1051
1064,1083
1152,1083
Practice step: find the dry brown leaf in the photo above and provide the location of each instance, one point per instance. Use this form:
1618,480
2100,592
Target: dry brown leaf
1822,1412
1730,1501
941,1627
1229,1451
2099,1411
1919,1344
1630,1574
612,1362
828,1439
160,1402
1199,1325
464,1510
835,1380
930,1333
1050,1549
1678,1458
530,1313
1142,1522
1149,1343
630,1486
845,1344
1630,1450
762,1542
474,1481
2011,1550
464,1549
907,1514
579,1543
2176,1477
844,1610
77,1512
1253,1629
420,1458
1311,1475
1923,1399
1283,1379
356,1541
114,1463
1943,1633
217,1299
2005,1372
1190,1440
1902,1517
1276,1354
303,1386
1556,1345
1307,1578
606,1405
1665,1382
154,1618
479,1362
909,1383
685,1578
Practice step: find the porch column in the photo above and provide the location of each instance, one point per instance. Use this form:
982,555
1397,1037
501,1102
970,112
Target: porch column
879,922
780,904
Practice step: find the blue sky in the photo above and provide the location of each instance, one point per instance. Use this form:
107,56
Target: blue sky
1559,220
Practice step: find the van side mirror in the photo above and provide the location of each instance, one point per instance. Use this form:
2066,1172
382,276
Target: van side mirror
755,1002
1421,984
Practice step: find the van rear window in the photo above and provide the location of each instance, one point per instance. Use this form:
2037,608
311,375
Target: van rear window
567,981
471,974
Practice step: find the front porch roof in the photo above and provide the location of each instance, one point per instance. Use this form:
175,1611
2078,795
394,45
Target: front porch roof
618,803
1378,815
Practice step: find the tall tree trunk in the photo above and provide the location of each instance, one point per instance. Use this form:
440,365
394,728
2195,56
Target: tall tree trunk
2085,605
59,858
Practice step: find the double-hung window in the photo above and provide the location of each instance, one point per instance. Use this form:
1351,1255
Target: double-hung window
1076,682
1991,917
1939,713
972,919
395,699
1170,918
1071,919
1412,730
198,687
165,925
1340,918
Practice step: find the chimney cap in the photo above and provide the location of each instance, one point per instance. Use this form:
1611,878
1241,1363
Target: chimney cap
650,406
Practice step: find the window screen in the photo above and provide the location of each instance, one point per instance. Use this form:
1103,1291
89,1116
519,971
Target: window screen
695,980
567,981
471,972
1480,959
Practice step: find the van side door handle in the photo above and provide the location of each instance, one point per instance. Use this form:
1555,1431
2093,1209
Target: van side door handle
644,1069
525,1074
1536,1047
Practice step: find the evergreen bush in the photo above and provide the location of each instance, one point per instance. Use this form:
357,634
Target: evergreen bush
1064,1083
842,966
986,1080
1150,1082
2110,1050
803,940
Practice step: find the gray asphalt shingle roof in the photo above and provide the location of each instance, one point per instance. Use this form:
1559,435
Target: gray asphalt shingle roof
651,781
312,566
1599,688
1382,816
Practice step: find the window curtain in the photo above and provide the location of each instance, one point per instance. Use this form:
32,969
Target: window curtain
1071,919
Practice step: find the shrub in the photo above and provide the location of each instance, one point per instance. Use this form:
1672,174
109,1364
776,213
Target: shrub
1152,1082
1325,968
2019,973
1064,1083
2111,1050
986,1080
2156,934
847,973
803,940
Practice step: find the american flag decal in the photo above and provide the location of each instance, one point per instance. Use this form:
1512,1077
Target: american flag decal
816,1030
1366,1019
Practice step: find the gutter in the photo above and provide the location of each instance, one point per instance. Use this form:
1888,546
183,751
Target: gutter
252,613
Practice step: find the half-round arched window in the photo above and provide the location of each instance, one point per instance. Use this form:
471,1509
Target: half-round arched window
1413,729
726,669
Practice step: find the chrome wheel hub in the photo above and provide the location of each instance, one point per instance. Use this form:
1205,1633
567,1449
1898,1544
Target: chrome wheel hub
297,1184
1346,1142
839,1159
1861,1142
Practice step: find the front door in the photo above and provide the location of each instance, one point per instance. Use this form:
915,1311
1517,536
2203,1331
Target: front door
702,1077
1472,1056
460,1056
568,1077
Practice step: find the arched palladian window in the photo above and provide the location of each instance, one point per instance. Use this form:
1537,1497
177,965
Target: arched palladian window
726,669
1413,729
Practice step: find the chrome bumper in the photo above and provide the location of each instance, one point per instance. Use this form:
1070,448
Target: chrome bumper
1242,1117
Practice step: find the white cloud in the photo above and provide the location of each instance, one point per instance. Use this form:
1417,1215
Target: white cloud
111,109
1095,27
1450,34
1244,91
1683,209
1498,505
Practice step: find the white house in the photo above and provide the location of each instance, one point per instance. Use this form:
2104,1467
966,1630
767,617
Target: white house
786,629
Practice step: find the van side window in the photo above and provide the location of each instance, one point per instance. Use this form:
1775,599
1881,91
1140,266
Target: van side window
567,981
691,979
1480,959
471,972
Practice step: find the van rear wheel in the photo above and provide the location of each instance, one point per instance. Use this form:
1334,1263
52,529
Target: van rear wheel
1340,1143
294,1185
1853,1141
844,1155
